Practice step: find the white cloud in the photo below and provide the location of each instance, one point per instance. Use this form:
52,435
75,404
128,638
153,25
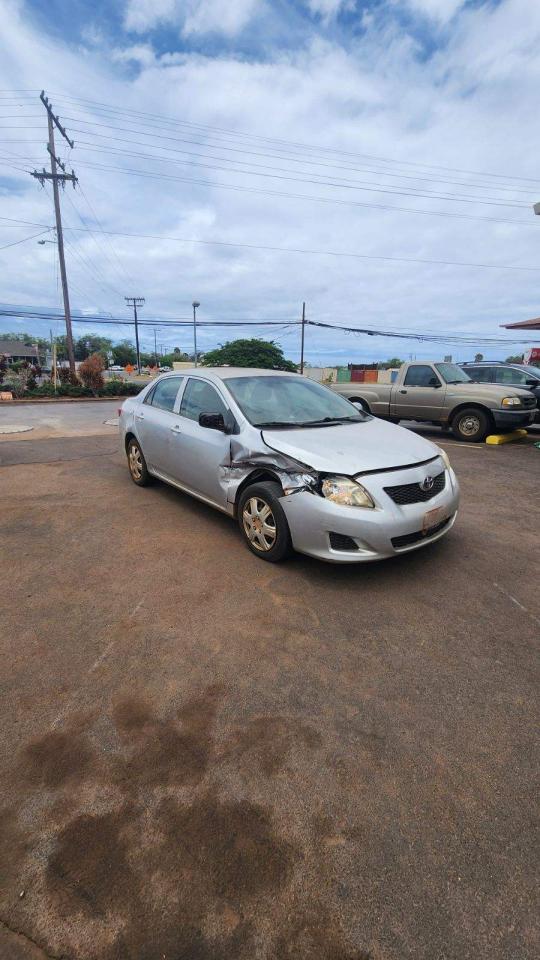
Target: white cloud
470,106
329,9
194,17
440,11
141,53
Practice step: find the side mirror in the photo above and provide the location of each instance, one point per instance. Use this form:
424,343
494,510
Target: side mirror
533,383
213,421
435,382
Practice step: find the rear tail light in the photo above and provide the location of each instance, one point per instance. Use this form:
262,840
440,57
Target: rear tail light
119,411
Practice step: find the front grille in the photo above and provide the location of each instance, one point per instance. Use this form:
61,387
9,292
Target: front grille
408,538
529,403
339,541
413,493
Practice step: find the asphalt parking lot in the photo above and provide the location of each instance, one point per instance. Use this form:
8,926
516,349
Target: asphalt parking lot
206,757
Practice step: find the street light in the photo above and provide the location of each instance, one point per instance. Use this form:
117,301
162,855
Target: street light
195,304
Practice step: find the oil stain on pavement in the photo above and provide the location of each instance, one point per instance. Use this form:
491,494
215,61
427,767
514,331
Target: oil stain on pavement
138,850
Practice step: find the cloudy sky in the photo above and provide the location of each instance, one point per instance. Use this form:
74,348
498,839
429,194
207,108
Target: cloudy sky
269,152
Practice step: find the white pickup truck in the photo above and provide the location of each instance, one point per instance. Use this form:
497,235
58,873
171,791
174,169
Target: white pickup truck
443,393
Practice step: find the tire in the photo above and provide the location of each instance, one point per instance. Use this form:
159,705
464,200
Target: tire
138,470
471,424
263,498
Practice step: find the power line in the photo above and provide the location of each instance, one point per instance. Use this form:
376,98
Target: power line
303,146
304,197
367,331
344,183
299,250
291,159
24,240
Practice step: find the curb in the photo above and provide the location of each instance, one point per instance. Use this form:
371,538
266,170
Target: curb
11,403
496,439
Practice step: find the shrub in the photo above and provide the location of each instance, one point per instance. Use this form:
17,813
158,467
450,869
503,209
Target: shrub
66,376
73,390
91,373
16,382
44,390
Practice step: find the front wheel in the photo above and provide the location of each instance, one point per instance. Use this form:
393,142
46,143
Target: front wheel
263,523
471,424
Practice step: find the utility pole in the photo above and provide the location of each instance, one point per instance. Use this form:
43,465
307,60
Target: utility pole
136,302
155,348
303,333
57,178
195,304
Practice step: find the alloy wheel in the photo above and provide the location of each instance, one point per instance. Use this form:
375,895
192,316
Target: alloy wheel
259,524
135,462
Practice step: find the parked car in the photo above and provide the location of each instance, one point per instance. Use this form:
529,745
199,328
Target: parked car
518,374
297,465
116,367
165,369
444,393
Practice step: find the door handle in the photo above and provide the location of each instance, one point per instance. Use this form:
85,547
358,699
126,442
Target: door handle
403,391
139,416
175,429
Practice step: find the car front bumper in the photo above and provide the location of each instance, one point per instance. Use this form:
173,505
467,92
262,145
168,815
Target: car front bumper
513,419
312,518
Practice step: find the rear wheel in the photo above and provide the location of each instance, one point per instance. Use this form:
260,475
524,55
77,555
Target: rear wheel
137,464
471,424
263,523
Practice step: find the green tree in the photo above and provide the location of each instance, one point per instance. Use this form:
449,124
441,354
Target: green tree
168,359
518,358
393,362
124,353
61,348
90,343
28,338
249,353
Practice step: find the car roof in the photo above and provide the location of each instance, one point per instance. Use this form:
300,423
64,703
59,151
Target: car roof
224,373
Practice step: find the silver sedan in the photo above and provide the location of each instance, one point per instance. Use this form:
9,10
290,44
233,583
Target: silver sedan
299,466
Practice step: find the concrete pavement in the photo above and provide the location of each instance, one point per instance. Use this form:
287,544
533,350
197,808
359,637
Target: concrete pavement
206,757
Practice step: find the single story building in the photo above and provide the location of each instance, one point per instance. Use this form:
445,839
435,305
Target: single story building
15,350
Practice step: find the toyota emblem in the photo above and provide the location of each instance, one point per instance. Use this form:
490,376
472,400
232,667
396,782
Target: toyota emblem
427,484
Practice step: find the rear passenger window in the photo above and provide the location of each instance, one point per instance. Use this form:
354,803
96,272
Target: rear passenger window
481,374
201,397
420,376
164,393
509,375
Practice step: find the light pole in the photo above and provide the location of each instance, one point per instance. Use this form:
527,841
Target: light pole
195,304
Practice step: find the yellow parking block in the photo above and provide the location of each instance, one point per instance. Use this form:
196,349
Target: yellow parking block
497,438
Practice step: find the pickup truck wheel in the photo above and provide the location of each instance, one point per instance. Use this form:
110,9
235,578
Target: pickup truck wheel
471,424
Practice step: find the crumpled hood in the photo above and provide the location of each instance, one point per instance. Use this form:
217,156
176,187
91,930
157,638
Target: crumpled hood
352,448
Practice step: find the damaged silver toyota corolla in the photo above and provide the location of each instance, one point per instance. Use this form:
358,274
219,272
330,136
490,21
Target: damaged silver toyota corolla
299,466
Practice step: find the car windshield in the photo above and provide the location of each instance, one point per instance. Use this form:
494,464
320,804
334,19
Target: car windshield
269,401
451,373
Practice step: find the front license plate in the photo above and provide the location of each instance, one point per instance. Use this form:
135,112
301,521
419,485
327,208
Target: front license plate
432,518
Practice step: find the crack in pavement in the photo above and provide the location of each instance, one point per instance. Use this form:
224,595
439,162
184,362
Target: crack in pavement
29,940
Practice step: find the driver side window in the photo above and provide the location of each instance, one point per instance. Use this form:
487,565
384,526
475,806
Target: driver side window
421,376
201,397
